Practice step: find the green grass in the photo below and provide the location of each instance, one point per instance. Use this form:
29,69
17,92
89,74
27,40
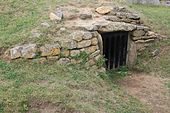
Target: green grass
71,88
159,19
17,21
159,64
23,82
168,84
156,16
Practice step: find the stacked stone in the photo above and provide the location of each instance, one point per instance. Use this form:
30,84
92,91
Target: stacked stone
120,14
124,20
64,51
86,37
82,41
143,37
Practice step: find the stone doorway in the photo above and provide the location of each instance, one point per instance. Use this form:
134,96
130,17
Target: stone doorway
115,47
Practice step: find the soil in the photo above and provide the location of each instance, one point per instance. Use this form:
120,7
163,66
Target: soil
149,89
48,107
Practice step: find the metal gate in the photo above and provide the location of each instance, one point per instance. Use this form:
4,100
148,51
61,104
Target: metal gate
115,48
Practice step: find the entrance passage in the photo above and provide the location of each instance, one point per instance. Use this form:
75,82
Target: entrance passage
115,48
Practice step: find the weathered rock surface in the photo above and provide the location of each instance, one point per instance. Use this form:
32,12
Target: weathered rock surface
133,16
138,33
85,15
94,41
95,54
53,16
145,28
121,9
116,26
74,52
50,50
145,41
132,56
89,27
104,9
68,15
15,52
90,49
25,51
77,36
107,26
151,33
53,58
84,43
64,61
80,35
57,16
29,51
69,44
87,35
112,18
143,38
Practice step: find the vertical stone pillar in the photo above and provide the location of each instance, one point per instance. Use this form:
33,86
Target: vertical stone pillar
132,53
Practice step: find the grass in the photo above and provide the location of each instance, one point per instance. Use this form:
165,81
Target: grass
168,84
159,19
23,82
17,21
155,16
160,64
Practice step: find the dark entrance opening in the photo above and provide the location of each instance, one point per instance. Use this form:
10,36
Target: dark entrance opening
115,48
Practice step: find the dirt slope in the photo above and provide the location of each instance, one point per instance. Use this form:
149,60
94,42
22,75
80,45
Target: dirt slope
150,90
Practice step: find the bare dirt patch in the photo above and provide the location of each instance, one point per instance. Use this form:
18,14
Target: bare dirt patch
150,90
48,107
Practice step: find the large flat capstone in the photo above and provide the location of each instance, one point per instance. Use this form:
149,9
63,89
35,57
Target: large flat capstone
106,26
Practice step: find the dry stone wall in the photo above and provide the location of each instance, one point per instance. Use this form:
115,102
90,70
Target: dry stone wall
84,42
65,52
